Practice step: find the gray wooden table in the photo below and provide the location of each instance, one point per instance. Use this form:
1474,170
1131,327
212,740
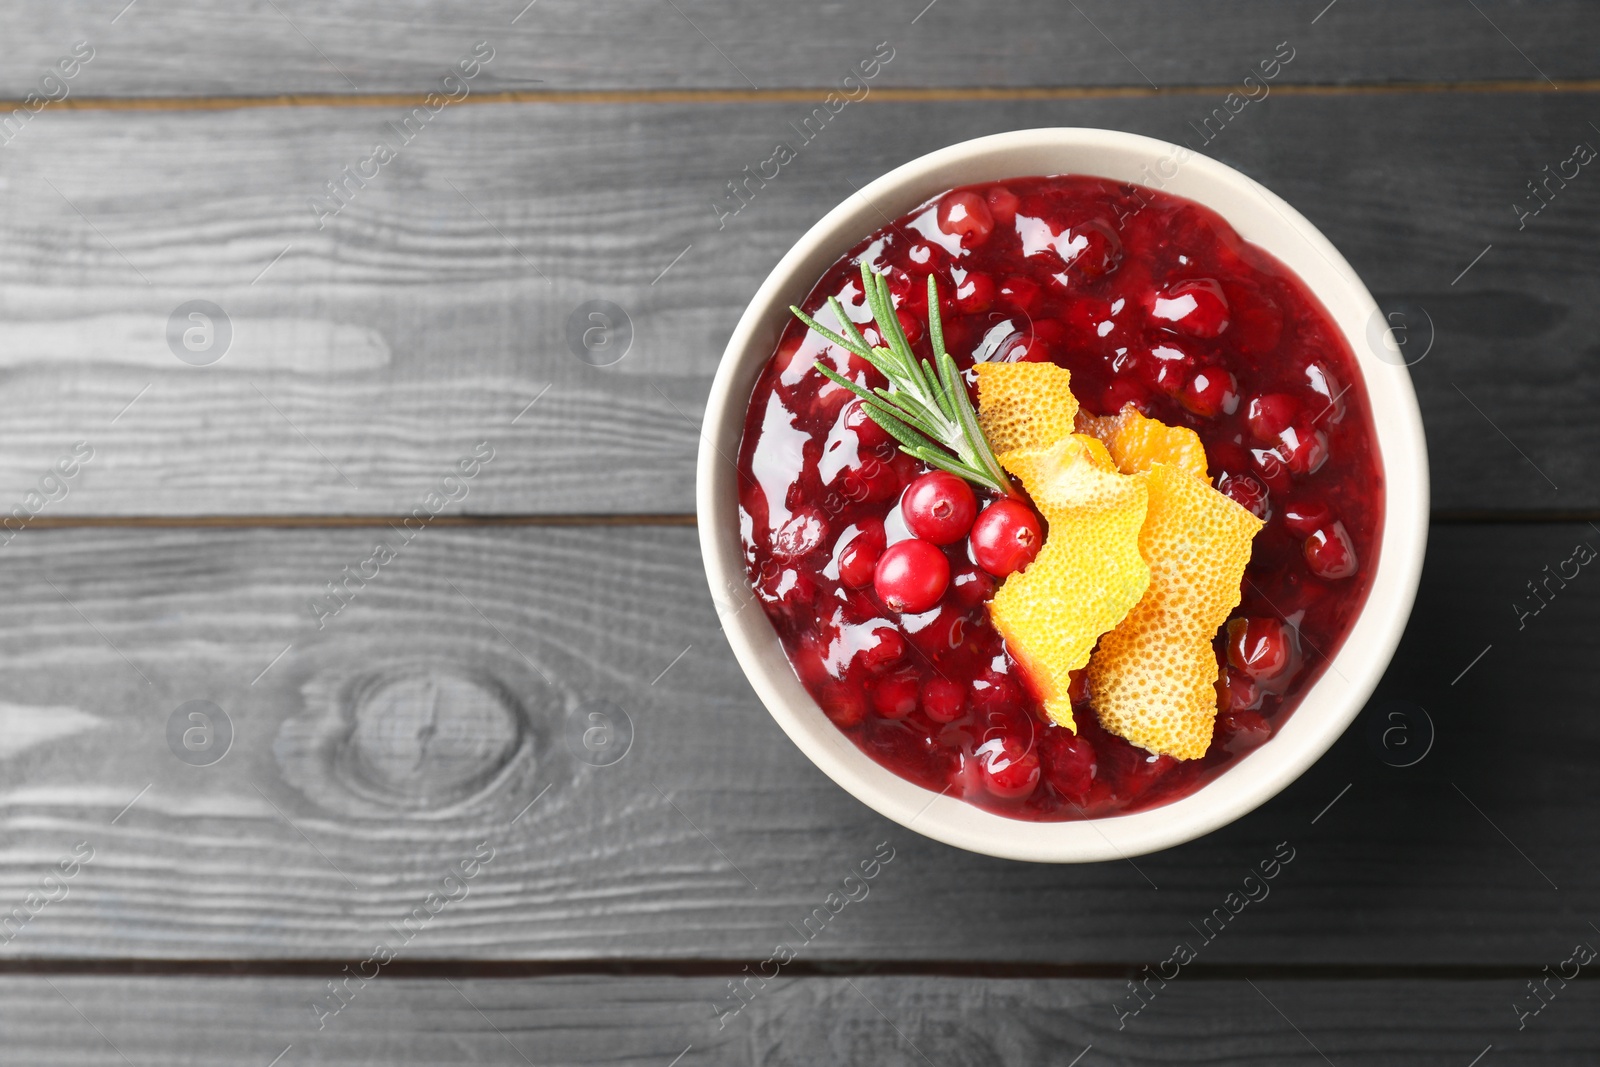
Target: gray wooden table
273,794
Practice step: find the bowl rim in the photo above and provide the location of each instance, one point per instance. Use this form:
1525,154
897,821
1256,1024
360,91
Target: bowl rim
1325,710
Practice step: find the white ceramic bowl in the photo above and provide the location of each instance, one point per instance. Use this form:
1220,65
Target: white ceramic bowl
1261,218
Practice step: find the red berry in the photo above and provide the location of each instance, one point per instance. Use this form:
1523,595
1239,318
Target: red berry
1005,537
1270,415
941,632
1002,204
1247,493
875,482
939,507
1091,249
1303,447
967,215
911,576
972,587
996,697
1273,470
895,697
1165,367
844,704
1211,392
1069,763
1010,768
1330,553
805,530
975,293
1078,686
858,551
869,435
943,700
1020,293
881,648
1304,516
1242,730
1262,648
1197,308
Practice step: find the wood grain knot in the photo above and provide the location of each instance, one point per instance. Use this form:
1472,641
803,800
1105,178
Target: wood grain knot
433,734
428,738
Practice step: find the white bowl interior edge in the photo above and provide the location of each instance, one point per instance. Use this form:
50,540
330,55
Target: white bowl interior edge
1324,712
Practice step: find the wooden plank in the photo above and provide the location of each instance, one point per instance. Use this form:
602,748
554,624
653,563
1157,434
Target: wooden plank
361,46
652,1022
373,757
370,356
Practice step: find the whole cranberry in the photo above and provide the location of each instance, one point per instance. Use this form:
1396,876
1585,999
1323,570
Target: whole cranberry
1303,447
1069,763
1165,367
895,697
1196,307
1247,493
1021,293
943,700
975,293
942,634
882,647
1002,204
874,482
857,552
1006,537
1303,517
939,507
965,214
1270,466
911,576
1262,648
869,435
1211,392
1091,249
1330,553
844,704
972,587
1010,767
1269,415
995,695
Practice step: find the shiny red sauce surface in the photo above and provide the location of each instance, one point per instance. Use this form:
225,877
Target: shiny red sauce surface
1147,299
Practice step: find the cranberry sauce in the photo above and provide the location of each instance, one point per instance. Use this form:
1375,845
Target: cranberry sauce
1147,299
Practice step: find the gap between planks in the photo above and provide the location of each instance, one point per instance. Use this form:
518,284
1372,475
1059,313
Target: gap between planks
716,968
316,522
801,95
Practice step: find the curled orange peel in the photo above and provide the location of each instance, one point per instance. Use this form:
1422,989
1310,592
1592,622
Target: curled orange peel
1135,442
1025,405
1089,572
1152,677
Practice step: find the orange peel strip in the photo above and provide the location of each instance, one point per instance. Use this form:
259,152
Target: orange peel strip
1135,442
1025,405
1088,574
1152,678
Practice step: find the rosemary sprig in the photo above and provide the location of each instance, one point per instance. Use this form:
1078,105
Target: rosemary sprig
925,406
